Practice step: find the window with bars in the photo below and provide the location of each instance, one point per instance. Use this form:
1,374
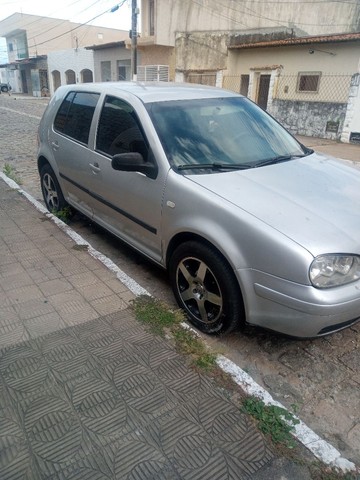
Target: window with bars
308,81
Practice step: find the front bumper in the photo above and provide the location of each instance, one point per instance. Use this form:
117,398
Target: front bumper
298,310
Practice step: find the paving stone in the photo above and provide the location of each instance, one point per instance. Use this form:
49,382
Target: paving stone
132,422
52,287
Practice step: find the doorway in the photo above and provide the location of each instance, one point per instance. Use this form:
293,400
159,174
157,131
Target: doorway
263,93
24,81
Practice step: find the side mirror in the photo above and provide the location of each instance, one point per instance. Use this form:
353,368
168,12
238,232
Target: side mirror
133,162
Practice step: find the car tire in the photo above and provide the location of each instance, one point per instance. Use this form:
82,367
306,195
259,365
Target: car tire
4,89
205,286
51,190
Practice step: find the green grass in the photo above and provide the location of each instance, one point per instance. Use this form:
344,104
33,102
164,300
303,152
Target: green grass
189,344
162,320
155,314
10,172
272,420
64,214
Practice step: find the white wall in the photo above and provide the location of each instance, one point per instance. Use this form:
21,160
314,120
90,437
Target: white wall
352,118
13,77
72,59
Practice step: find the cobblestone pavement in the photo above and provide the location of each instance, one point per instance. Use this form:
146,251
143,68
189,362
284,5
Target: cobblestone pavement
320,377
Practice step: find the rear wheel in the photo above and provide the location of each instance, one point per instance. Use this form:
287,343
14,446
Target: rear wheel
206,288
4,89
51,190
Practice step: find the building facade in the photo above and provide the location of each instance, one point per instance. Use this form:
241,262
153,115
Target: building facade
199,31
30,38
112,62
306,83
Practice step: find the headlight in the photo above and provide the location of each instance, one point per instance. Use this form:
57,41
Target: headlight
334,270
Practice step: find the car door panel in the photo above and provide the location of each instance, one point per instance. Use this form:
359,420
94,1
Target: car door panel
69,141
129,204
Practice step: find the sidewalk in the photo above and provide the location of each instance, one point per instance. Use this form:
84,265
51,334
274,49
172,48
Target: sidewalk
86,392
346,151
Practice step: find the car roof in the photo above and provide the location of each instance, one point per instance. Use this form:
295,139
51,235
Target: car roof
149,92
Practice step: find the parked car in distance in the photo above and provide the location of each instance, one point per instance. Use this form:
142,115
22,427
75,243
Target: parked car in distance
5,87
251,225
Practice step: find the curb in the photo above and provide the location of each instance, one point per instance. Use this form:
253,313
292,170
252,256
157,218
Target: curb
321,449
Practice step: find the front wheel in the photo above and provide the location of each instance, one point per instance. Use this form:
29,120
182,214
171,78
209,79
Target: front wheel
206,288
51,190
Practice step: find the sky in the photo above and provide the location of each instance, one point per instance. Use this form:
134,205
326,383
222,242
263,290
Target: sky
78,11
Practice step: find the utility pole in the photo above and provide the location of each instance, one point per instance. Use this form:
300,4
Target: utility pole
134,13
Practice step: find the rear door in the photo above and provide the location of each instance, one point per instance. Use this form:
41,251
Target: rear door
69,141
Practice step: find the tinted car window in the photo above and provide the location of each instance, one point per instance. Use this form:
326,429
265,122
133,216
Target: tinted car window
118,130
75,115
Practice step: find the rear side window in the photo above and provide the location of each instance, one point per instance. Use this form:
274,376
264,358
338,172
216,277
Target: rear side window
75,115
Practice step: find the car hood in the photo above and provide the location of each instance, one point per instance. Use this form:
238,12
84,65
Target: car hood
314,200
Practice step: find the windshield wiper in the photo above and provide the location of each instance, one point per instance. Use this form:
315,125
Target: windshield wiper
279,159
215,166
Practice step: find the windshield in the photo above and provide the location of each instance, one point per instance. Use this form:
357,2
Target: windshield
215,134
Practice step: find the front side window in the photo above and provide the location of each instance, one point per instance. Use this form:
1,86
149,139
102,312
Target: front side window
119,130
75,115
232,132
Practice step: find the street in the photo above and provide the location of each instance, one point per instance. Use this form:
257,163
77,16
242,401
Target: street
319,379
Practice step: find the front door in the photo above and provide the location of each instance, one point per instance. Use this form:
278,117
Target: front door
129,204
263,94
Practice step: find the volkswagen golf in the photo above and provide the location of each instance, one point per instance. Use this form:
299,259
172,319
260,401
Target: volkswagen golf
251,225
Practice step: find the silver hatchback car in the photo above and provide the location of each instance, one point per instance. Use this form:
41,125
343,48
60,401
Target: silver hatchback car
251,225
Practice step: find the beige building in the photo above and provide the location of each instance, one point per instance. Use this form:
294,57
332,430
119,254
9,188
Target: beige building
200,30
309,84
30,38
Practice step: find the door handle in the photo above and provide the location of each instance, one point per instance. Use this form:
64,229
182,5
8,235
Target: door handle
95,167
55,145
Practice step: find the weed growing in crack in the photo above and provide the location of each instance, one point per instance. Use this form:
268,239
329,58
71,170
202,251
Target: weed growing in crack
10,172
272,420
64,214
162,320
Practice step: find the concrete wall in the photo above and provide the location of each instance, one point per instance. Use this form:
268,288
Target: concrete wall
158,55
309,118
321,17
72,59
201,51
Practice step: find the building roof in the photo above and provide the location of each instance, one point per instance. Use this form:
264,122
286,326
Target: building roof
106,45
245,41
